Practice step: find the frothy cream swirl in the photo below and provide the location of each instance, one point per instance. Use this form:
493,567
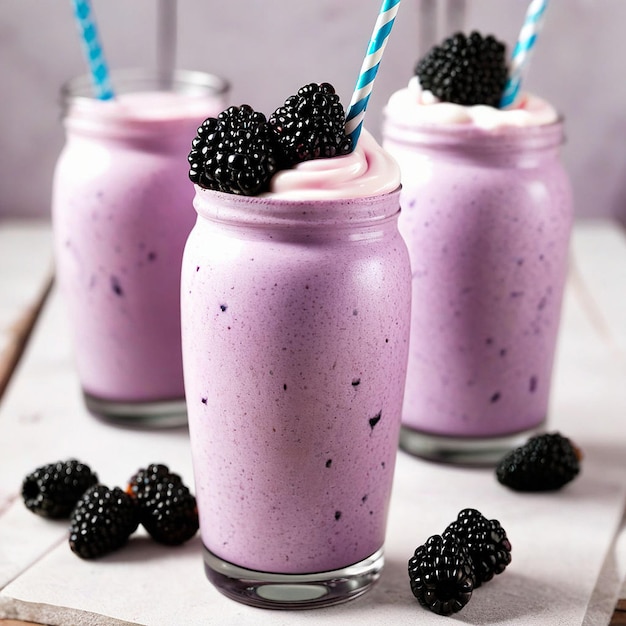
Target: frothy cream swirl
367,171
413,105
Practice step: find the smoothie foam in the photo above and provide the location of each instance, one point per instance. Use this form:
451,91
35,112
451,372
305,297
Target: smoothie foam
367,171
413,106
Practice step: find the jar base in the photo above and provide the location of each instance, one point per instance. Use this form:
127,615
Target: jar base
463,450
157,414
292,591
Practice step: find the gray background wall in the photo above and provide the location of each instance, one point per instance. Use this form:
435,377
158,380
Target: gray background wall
269,48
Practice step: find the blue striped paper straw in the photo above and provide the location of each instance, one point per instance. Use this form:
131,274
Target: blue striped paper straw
524,46
93,50
369,69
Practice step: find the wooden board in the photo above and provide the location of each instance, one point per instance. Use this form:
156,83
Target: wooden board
25,275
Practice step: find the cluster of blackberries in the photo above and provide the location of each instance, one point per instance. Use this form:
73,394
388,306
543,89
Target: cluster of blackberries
544,463
102,519
446,569
239,151
466,70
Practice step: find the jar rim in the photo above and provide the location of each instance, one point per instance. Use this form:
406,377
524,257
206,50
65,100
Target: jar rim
190,97
470,135
271,211
125,80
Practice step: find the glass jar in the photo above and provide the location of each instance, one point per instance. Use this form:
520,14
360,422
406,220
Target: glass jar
486,216
122,208
295,319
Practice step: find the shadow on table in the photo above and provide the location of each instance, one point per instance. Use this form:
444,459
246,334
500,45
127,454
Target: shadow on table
514,598
509,598
141,548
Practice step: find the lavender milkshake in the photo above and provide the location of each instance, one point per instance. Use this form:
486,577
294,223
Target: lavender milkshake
122,210
487,214
295,337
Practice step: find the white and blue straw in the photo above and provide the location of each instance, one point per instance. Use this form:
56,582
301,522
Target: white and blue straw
93,50
369,69
524,46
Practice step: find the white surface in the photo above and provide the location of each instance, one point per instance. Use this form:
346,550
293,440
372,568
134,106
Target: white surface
568,560
25,265
599,252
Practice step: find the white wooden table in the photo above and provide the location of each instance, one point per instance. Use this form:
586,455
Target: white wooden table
569,549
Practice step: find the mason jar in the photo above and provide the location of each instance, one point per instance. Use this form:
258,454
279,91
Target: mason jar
486,215
122,208
295,320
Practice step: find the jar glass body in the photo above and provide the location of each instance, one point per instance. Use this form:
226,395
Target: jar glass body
295,320
487,218
122,208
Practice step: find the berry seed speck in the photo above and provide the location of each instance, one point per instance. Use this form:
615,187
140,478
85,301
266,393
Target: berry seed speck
374,420
116,286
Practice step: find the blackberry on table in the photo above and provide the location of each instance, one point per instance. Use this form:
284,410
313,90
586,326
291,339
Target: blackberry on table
167,509
486,541
310,125
102,521
171,515
544,463
143,484
440,574
233,153
53,490
466,70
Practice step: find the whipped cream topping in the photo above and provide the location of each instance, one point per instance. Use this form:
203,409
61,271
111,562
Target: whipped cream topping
367,171
413,105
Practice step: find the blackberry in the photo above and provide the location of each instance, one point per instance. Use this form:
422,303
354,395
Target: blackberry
143,484
233,153
53,490
170,516
310,125
102,521
486,542
465,70
167,508
441,575
544,463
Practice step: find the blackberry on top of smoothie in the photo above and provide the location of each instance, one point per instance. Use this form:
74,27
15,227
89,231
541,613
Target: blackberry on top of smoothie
465,70
239,151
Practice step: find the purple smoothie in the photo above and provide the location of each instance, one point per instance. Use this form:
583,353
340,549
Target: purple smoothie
487,217
120,226
295,339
